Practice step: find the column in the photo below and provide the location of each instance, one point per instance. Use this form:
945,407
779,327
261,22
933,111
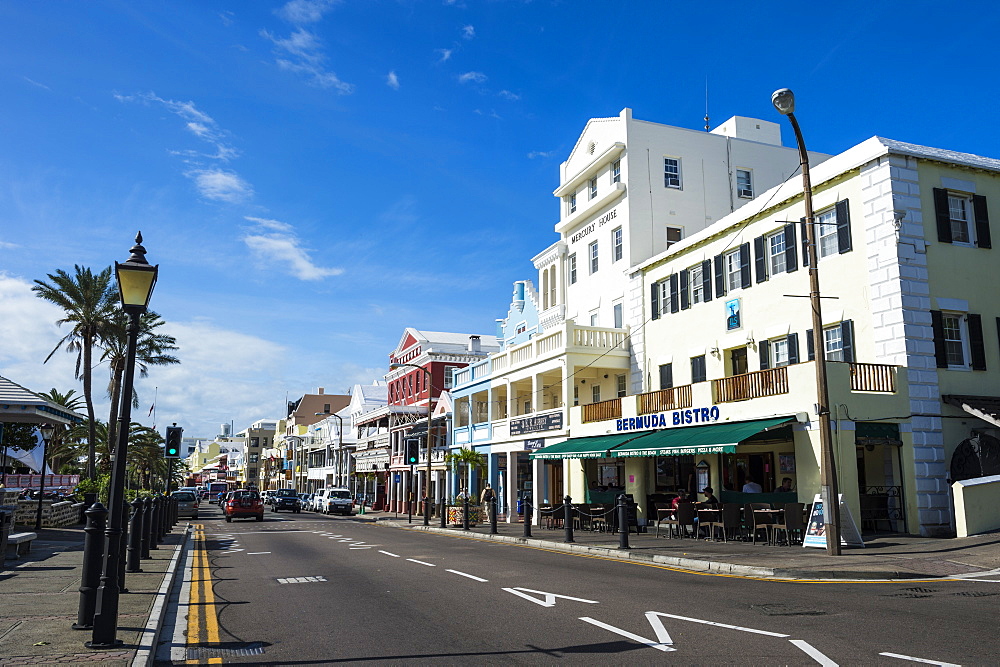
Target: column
510,487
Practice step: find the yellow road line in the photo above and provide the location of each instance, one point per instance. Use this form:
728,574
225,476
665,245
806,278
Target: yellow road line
194,599
201,602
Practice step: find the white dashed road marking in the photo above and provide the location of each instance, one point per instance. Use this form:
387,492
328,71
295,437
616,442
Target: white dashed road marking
463,574
414,560
301,580
388,554
809,650
923,660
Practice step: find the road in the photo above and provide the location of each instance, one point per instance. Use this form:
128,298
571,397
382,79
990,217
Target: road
309,589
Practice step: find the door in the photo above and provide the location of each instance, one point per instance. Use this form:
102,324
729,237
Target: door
738,361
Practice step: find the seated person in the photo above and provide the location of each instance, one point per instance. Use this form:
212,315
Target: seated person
752,487
710,502
682,497
786,485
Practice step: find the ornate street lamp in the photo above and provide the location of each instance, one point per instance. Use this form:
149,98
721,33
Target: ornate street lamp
430,400
47,431
136,279
784,101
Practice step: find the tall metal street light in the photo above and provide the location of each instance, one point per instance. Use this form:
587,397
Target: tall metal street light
340,443
136,279
47,431
430,399
784,101
296,459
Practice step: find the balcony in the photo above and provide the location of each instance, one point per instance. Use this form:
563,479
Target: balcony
770,382
602,411
879,378
674,398
568,337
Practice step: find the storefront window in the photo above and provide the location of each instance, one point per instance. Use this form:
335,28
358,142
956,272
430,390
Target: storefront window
674,473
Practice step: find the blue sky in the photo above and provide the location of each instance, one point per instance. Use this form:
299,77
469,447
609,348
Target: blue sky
313,177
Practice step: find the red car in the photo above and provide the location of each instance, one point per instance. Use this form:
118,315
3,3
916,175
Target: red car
243,505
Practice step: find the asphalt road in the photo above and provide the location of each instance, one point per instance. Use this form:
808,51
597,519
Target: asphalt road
309,589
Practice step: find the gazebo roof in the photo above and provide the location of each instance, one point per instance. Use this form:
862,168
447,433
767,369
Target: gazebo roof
21,406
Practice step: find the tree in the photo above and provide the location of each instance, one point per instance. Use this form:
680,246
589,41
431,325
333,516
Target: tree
62,449
87,300
101,455
466,459
152,349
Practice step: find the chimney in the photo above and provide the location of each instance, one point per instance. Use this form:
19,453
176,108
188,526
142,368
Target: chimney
474,344
320,390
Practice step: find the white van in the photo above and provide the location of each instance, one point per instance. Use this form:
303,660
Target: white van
334,501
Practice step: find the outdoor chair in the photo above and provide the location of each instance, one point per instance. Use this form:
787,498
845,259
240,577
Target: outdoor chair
793,523
755,523
684,517
729,521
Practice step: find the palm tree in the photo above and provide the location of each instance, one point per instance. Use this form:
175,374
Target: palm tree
87,299
61,448
152,349
465,459
101,455
145,454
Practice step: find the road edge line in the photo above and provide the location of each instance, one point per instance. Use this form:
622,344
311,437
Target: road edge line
146,651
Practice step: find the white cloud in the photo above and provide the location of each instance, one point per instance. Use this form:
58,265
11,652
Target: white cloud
8,246
507,95
302,53
533,154
220,185
35,83
475,77
445,54
468,32
199,123
276,244
305,11
392,80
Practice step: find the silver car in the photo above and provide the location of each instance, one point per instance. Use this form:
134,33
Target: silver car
187,503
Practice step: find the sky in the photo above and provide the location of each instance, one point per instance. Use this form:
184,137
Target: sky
314,176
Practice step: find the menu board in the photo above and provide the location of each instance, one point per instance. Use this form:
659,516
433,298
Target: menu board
816,527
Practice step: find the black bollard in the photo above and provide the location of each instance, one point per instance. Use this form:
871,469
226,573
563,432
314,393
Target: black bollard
427,511
623,523
491,507
465,513
164,511
144,526
154,527
443,511
526,512
93,552
132,563
568,518
123,549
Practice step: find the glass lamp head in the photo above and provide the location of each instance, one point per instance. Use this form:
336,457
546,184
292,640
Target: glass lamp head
784,101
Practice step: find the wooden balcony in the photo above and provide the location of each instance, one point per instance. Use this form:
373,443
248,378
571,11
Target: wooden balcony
602,411
873,377
663,400
770,382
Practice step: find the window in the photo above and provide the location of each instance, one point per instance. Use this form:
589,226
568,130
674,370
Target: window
744,183
595,393
962,218
697,284
520,328
833,344
619,316
671,172
572,203
572,268
734,272
616,171
826,226
593,257
776,253
838,342
673,235
616,244
620,385
954,340
593,188
958,340
593,318
662,297
698,373
449,376
666,376
779,352
253,457
576,395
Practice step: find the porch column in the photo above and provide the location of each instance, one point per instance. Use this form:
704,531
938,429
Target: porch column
510,487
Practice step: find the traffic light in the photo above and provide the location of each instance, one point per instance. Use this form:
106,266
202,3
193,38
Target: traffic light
172,450
412,450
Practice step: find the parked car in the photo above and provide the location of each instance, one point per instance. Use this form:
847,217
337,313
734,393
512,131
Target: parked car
268,497
286,499
243,504
187,503
334,501
306,499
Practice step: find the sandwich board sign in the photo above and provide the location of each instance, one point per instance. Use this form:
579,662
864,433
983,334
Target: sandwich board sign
816,528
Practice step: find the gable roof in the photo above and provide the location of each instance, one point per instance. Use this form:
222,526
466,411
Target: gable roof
19,405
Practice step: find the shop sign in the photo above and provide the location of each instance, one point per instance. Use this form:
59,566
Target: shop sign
534,443
552,421
667,419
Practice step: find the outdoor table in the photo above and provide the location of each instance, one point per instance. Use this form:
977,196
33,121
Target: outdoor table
706,516
773,516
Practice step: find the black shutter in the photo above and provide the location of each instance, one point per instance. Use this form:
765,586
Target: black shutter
720,275
810,347
976,345
685,294
793,348
706,280
654,298
745,266
943,216
847,339
666,376
764,348
982,222
791,251
698,373
843,227
760,257
940,351
674,298
805,242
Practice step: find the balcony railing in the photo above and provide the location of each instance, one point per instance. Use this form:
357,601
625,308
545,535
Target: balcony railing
602,411
757,384
663,400
873,377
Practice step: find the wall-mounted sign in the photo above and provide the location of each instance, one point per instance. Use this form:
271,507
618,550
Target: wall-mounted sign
533,443
547,422
600,222
734,316
667,419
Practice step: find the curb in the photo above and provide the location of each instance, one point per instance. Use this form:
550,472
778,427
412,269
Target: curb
146,650
692,564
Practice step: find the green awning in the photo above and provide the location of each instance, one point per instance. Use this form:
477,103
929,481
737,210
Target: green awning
595,447
710,439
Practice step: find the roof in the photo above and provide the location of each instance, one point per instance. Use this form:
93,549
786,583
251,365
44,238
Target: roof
20,405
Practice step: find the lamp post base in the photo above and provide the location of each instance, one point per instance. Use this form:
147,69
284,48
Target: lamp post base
103,647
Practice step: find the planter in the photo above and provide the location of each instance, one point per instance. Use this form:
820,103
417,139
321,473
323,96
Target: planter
456,515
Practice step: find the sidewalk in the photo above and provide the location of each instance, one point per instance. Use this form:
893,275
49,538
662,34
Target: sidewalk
40,594
883,557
